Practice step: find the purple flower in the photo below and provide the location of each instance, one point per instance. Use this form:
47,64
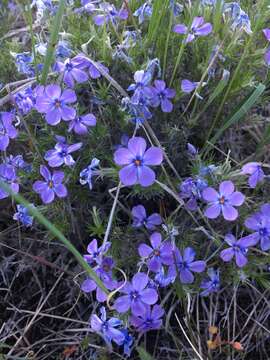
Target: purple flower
25,100
212,284
160,253
109,13
8,176
137,296
107,328
7,130
87,173
188,86
95,253
71,71
238,248
161,96
254,169
145,10
139,112
51,186
260,224
163,279
22,215
267,34
141,219
224,201
185,265
137,160
61,154
191,189
104,272
140,87
81,123
198,28
150,320
54,104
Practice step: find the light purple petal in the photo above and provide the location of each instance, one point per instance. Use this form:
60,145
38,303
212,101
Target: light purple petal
47,196
230,239
44,171
69,96
39,186
240,259
149,296
139,212
67,113
53,91
180,29
186,276
250,240
88,286
229,212
153,156
267,34
60,190
146,176
128,175
122,304
160,85
197,21
155,240
267,57
166,106
213,211
53,117
188,86
226,188
210,194
145,250
227,254
189,255
236,198
137,146
204,30
139,281
197,266
123,156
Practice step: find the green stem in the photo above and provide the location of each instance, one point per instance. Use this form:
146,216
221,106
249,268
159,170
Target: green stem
57,22
56,232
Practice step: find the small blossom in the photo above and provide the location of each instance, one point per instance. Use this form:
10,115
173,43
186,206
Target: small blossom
87,173
141,219
22,215
150,320
159,254
51,186
71,71
198,28
212,284
237,249
137,296
81,123
107,328
136,160
163,279
54,103
223,201
109,13
8,175
185,265
7,130
160,95
192,189
95,253
254,169
142,79
61,154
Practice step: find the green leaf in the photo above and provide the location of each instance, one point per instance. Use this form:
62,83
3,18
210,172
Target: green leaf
144,355
239,114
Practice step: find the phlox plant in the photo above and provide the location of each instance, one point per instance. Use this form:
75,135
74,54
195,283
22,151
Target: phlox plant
123,124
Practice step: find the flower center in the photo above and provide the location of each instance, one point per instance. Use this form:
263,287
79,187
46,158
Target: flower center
263,232
222,200
138,162
156,252
134,295
57,103
50,184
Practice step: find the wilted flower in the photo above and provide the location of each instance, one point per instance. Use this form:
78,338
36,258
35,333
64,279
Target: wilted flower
54,104
142,79
137,296
136,160
198,28
7,130
254,169
185,265
95,253
23,63
107,328
163,279
238,248
224,201
145,10
141,219
25,100
239,19
192,189
87,173
150,320
51,186
22,215
212,284
161,253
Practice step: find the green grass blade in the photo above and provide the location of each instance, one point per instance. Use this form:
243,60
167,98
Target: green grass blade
56,26
144,355
56,232
239,114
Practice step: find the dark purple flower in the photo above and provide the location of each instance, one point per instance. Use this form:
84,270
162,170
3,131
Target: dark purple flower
54,104
161,96
7,130
107,328
185,265
150,320
61,154
137,296
141,219
260,224
254,169
137,160
191,189
22,215
238,248
198,28
81,123
160,253
71,71
104,272
95,253
51,186
224,201
212,284
8,175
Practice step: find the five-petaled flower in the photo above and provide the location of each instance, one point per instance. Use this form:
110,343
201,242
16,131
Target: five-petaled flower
81,123
54,103
160,95
61,154
150,320
137,160
223,201
51,186
198,28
